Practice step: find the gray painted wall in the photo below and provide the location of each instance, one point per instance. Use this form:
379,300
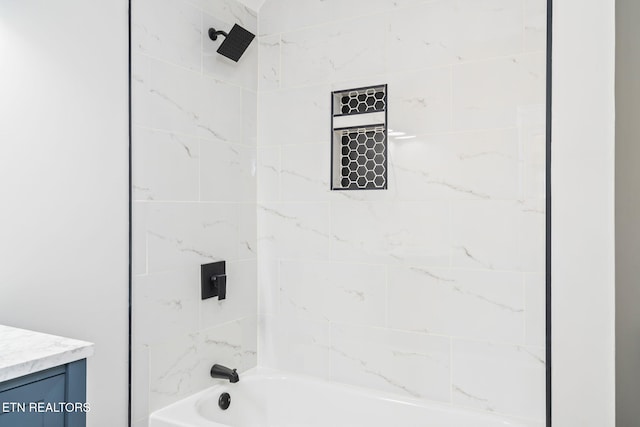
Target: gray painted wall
627,213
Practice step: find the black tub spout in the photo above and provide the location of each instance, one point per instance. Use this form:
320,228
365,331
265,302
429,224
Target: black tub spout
219,371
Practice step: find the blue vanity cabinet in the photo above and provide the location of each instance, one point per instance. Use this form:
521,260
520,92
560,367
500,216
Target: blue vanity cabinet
38,399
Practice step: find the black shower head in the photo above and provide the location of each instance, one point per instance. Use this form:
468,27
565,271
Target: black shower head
235,43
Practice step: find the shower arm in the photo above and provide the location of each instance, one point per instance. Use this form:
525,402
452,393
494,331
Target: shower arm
213,34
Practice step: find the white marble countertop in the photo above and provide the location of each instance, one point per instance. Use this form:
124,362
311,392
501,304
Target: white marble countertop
23,352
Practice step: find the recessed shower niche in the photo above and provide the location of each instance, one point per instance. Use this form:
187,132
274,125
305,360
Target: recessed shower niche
359,139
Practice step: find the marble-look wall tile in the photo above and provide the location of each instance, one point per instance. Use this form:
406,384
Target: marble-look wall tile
227,172
488,94
140,382
414,233
181,101
532,236
173,175
535,25
411,364
295,230
485,235
180,366
299,345
187,234
451,31
229,11
169,30
249,118
269,63
241,298
241,73
337,51
165,304
337,292
295,116
420,102
532,148
268,174
233,344
474,304
499,378
471,165
288,15
535,308
139,238
304,173
164,96
172,369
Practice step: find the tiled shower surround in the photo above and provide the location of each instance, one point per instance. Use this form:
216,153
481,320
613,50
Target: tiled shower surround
194,163
432,288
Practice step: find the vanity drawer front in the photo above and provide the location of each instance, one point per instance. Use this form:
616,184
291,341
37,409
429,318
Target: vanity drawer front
48,390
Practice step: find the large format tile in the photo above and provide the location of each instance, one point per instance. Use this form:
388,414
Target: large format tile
227,172
469,165
295,116
305,172
411,364
488,94
165,304
269,63
499,378
414,233
295,230
485,234
420,102
337,51
169,30
295,345
337,292
450,31
182,235
166,166
475,304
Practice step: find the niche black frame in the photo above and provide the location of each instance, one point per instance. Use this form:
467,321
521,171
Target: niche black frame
548,194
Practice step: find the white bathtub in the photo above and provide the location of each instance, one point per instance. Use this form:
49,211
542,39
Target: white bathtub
268,398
